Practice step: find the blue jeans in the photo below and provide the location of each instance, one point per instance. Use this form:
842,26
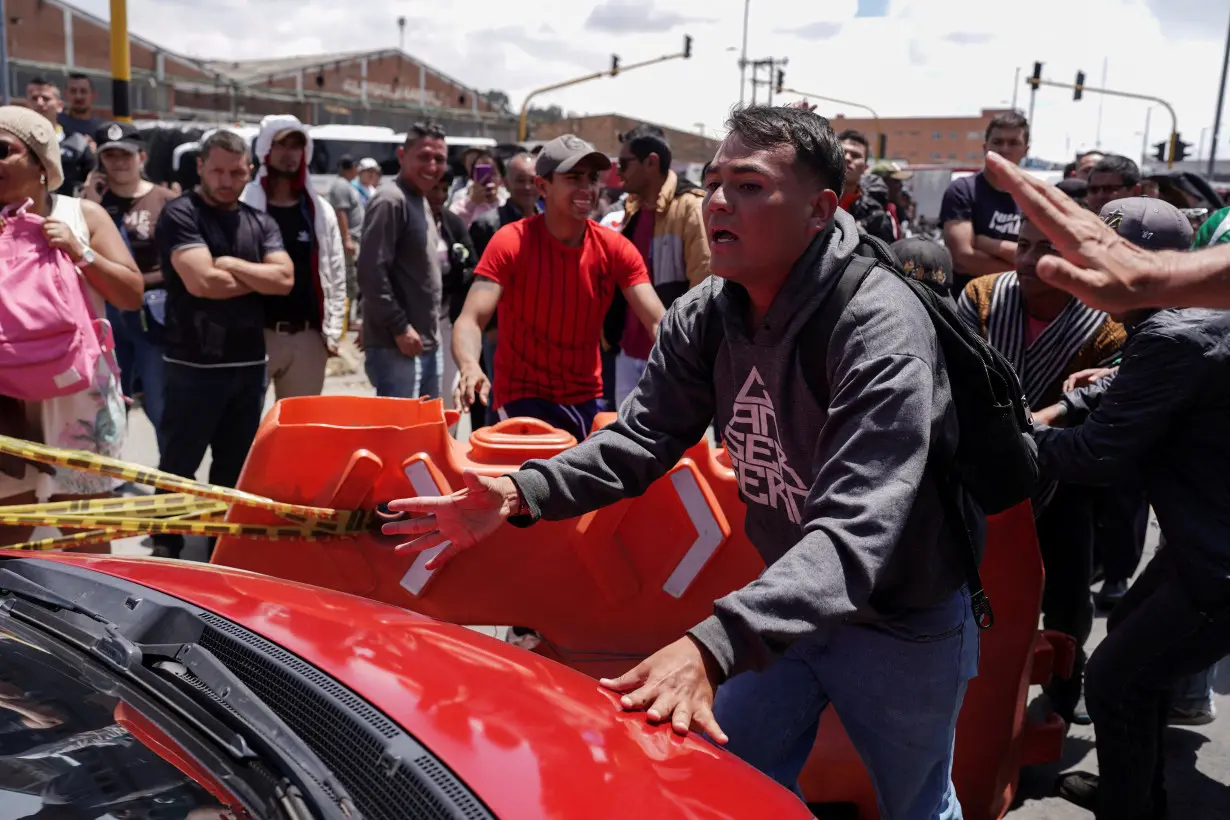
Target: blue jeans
404,377
140,358
1196,691
898,687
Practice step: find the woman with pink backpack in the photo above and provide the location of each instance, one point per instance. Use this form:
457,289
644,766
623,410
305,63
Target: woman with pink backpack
61,261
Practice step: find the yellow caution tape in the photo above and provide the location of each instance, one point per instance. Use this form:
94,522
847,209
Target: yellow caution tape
188,508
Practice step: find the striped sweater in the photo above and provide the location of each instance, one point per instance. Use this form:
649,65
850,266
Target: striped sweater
1079,338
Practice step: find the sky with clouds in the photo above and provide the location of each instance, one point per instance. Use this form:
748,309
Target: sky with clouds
902,57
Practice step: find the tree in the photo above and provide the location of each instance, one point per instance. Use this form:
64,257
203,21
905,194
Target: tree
497,100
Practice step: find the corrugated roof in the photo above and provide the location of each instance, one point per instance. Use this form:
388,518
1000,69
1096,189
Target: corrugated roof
246,71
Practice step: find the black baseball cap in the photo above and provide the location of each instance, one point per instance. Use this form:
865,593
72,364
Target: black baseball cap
1153,224
565,152
121,136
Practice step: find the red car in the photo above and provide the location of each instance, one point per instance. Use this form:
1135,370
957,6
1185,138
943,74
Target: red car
141,688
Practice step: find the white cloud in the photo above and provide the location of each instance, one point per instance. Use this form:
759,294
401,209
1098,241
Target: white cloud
925,57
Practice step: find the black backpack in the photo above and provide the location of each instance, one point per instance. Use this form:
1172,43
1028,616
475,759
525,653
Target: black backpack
995,460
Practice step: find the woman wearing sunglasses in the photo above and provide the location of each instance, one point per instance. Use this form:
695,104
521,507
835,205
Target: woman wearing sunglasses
92,419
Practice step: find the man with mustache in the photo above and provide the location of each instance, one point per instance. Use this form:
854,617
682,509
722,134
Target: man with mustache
553,276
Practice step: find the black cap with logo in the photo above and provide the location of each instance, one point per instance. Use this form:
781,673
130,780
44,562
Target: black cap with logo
121,136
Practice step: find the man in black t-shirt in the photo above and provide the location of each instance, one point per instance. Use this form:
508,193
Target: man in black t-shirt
980,222
220,258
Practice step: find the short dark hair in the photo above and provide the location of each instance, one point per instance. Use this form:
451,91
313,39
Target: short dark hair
1008,120
1127,170
346,163
41,80
423,130
850,135
816,149
223,140
77,75
648,139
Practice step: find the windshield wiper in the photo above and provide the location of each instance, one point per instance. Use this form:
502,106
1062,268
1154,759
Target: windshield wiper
111,646
201,669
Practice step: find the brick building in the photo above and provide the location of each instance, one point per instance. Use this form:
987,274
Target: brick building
927,140
52,38
603,131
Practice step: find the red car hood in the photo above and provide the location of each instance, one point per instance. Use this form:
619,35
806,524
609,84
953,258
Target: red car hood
531,737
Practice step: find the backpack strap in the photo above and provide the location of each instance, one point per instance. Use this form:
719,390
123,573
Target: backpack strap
813,345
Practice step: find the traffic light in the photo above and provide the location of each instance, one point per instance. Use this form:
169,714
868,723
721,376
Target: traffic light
1034,80
781,80
1159,152
614,64
1080,85
1180,148
687,46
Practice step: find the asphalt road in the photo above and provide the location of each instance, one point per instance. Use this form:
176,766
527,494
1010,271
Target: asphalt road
1198,758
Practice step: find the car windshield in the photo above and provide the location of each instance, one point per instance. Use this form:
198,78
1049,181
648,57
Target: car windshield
71,750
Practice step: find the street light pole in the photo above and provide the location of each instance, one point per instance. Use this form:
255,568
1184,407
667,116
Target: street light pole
1016,83
743,57
1221,99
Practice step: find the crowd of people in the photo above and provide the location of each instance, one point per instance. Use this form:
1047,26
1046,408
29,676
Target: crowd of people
495,287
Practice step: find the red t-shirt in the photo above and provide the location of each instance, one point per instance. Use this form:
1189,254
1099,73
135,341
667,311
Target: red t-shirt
555,298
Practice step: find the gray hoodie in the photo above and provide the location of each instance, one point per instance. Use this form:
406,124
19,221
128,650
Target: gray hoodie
838,504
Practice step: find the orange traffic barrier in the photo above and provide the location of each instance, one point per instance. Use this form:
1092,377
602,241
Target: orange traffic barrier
613,586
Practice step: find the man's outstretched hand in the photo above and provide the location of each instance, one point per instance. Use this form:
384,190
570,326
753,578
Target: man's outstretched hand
674,684
1097,266
462,518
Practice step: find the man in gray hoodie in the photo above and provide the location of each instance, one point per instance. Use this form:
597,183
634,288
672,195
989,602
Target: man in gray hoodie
863,602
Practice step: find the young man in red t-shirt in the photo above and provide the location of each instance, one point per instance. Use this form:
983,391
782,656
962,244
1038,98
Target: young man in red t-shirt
553,277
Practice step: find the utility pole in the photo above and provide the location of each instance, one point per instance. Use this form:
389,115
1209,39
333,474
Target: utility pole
1221,99
1016,83
1097,142
774,64
121,65
401,33
1144,146
747,10
4,51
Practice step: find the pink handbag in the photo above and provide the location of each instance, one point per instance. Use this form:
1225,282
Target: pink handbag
50,339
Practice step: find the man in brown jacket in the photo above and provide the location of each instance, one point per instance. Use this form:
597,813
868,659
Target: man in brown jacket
670,236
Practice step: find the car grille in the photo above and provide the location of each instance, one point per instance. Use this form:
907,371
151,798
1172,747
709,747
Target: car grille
387,773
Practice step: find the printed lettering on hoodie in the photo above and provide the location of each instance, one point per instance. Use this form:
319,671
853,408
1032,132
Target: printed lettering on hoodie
756,453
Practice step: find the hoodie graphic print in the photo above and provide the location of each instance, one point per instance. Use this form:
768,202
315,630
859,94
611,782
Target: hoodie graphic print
756,453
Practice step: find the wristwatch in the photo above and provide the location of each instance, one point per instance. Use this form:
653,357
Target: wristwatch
87,258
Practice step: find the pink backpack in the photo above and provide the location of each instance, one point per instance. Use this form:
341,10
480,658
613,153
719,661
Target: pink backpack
50,340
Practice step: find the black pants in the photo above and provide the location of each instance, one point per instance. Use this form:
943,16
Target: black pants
1158,634
1121,518
1065,536
216,408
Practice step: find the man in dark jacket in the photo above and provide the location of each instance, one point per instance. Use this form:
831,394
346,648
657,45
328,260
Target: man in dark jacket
865,196
1163,417
457,261
863,603
399,274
